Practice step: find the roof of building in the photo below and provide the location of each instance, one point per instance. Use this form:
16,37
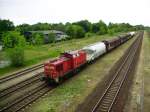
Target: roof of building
47,31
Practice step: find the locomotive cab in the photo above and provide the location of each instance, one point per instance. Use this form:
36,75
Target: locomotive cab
53,69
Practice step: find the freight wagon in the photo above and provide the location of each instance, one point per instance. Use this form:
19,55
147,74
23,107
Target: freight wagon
111,44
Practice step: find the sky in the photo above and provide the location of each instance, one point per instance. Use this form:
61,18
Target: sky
54,11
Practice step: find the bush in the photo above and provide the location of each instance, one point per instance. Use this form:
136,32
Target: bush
38,38
12,39
75,31
16,56
51,37
111,32
88,34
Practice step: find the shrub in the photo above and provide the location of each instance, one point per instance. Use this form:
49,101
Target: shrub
12,39
51,37
38,38
75,31
88,34
111,32
16,56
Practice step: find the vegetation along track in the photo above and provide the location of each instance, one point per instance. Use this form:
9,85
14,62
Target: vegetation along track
108,100
28,98
23,72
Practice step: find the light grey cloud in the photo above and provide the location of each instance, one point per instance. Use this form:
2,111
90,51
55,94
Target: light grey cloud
54,11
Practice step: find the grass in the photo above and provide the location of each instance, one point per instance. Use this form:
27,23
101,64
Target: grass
135,100
146,72
67,96
37,54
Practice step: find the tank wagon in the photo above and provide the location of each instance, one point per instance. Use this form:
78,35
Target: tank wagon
70,62
132,33
93,51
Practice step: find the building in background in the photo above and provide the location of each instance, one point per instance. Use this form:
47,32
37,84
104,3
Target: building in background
59,35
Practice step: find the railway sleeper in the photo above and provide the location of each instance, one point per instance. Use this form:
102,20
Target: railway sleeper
111,92
105,105
107,100
103,110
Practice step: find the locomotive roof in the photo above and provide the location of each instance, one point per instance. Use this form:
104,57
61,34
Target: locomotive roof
60,60
73,52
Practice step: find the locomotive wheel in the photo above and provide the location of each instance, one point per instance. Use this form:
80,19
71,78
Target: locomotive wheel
43,78
58,80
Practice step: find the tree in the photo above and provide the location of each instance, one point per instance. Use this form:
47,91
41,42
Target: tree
12,39
59,26
79,31
95,27
51,37
75,31
23,28
6,25
69,30
85,24
120,27
102,28
99,28
40,26
16,56
38,38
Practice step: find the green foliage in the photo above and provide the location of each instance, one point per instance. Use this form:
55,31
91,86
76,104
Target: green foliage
23,28
16,56
85,24
12,39
78,31
39,26
75,31
38,38
69,30
59,27
122,27
99,28
89,34
6,25
51,37
111,31
102,28
95,27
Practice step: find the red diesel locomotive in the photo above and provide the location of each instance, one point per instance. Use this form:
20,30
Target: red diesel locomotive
68,62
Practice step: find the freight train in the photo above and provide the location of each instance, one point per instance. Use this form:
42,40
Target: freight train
70,62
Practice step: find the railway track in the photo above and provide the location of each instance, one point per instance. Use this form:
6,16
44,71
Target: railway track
18,74
27,99
34,79
109,98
